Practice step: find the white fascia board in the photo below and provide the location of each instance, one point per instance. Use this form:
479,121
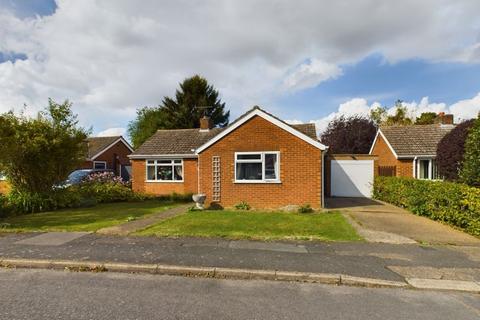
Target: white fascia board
111,145
269,118
380,133
162,156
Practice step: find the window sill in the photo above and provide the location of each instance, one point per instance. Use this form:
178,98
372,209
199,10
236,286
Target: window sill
164,181
257,182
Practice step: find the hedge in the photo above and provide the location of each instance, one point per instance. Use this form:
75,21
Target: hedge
453,203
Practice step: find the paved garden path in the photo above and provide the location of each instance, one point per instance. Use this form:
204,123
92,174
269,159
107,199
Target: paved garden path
381,222
136,225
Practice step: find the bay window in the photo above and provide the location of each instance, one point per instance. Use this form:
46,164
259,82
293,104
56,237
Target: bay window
257,167
165,170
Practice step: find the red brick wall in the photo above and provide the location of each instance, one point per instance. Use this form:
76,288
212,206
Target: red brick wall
119,149
189,185
300,168
387,158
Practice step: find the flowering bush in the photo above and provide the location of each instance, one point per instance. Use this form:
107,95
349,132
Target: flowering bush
103,177
107,187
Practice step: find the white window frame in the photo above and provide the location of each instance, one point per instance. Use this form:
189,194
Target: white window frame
262,160
102,162
430,168
171,164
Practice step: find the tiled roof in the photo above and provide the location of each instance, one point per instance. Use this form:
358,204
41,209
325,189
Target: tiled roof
98,144
307,129
176,141
415,140
185,141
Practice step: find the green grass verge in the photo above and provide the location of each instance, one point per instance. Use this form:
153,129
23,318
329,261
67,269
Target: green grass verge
83,219
256,225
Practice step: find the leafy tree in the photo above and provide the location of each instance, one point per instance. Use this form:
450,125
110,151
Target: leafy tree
426,118
450,151
400,118
470,172
181,111
148,121
380,116
37,153
353,134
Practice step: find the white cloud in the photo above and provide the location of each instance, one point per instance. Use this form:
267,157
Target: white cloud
310,74
462,110
466,109
112,132
109,57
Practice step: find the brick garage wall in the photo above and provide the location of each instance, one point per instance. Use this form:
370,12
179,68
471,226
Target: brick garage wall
189,185
353,157
404,167
300,168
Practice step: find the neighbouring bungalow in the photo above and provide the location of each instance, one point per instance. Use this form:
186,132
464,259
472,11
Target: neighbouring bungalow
108,153
410,151
258,158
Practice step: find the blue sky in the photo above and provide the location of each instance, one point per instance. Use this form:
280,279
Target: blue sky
378,80
304,61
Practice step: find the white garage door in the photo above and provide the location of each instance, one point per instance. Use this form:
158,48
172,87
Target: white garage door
351,178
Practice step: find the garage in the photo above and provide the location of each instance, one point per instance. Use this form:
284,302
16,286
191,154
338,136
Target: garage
351,176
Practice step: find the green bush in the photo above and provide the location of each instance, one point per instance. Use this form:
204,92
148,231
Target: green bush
306,208
243,205
29,202
470,172
453,203
104,192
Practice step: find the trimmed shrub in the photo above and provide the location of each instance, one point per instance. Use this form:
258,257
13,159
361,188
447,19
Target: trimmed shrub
470,172
453,203
175,197
450,151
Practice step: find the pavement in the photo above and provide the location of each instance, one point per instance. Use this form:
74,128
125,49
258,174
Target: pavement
352,263
44,294
377,221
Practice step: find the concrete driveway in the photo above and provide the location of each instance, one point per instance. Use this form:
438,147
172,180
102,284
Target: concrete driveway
380,222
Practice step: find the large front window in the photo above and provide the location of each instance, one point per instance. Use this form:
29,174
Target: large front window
257,167
165,170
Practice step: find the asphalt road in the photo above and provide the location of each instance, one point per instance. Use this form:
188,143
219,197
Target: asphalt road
43,294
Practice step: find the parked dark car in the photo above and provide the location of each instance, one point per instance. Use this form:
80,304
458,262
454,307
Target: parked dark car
78,176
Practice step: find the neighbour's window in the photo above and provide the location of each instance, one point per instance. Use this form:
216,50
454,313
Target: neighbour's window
99,165
427,169
165,170
257,167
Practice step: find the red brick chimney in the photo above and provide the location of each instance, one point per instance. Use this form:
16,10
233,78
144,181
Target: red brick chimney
205,123
443,118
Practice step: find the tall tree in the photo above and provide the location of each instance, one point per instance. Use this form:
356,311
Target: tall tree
37,153
426,118
380,116
353,134
180,112
148,121
470,172
450,151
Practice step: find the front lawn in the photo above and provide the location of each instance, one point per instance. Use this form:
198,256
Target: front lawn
256,225
84,219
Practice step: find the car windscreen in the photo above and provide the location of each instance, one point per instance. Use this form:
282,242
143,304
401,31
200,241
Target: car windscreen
77,176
